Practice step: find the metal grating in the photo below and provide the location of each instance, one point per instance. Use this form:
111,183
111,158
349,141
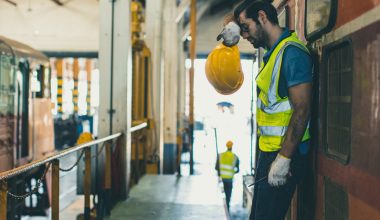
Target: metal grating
339,91
336,202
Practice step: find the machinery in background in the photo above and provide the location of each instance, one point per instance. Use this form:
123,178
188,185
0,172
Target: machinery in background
26,126
71,94
143,159
66,130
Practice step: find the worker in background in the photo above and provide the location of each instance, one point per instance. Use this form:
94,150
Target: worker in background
284,86
227,164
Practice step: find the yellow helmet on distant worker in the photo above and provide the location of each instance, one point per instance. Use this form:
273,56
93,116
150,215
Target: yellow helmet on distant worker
223,69
229,144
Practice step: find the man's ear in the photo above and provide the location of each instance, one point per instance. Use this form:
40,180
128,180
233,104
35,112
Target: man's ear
262,17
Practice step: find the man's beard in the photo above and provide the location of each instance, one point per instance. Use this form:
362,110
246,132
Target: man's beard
261,38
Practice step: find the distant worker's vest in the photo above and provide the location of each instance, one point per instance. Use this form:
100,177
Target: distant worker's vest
274,112
227,163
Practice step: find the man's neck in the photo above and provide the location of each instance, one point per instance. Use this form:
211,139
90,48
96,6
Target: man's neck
274,34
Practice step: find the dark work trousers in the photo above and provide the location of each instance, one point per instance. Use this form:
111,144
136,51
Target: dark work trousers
272,203
227,184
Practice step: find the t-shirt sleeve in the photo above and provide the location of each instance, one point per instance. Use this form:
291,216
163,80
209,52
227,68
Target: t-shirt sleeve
296,66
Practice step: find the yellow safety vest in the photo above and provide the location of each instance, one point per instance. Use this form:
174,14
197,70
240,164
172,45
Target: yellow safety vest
227,163
274,112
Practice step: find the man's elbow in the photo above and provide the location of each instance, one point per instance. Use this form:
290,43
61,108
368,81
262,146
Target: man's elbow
302,108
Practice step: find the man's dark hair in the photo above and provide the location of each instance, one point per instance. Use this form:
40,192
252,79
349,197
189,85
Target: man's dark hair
241,7
252,9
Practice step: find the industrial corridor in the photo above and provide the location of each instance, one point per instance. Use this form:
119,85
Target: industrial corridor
189,109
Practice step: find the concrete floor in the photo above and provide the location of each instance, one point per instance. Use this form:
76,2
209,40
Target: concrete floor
169,197
237,211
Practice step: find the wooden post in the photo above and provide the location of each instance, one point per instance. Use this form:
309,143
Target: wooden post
179,153
87,183
55,190
108,178
107,175
3,199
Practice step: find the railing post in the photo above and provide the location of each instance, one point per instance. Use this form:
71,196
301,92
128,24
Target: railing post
3,199
87,183
107,175
55,190
137,161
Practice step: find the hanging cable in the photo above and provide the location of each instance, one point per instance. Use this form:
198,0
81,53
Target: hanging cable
260,180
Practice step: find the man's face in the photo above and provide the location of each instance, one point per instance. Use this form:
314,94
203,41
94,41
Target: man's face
252,31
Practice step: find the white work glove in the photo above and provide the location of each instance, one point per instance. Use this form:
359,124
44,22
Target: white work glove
230,34
279,171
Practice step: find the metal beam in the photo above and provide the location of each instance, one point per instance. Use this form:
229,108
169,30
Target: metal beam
11,2
181,9
200,12
58,2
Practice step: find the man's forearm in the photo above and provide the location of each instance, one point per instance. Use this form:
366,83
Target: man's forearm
295,132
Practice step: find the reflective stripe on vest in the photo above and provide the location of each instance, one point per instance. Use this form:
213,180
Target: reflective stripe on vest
227,167
227,174
275,130
274,112
227,163
272,93
274,108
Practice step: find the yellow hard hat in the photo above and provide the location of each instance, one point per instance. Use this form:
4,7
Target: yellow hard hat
229,144
223,69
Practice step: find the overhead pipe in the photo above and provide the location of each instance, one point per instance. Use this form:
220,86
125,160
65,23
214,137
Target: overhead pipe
58,2
111,111
11,2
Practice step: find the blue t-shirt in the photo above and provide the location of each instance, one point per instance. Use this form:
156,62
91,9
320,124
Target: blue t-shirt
296,68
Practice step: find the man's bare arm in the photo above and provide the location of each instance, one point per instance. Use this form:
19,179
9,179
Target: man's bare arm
300,97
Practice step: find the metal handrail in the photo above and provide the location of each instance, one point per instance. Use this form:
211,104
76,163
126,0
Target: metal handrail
29,166
139,127
53,161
